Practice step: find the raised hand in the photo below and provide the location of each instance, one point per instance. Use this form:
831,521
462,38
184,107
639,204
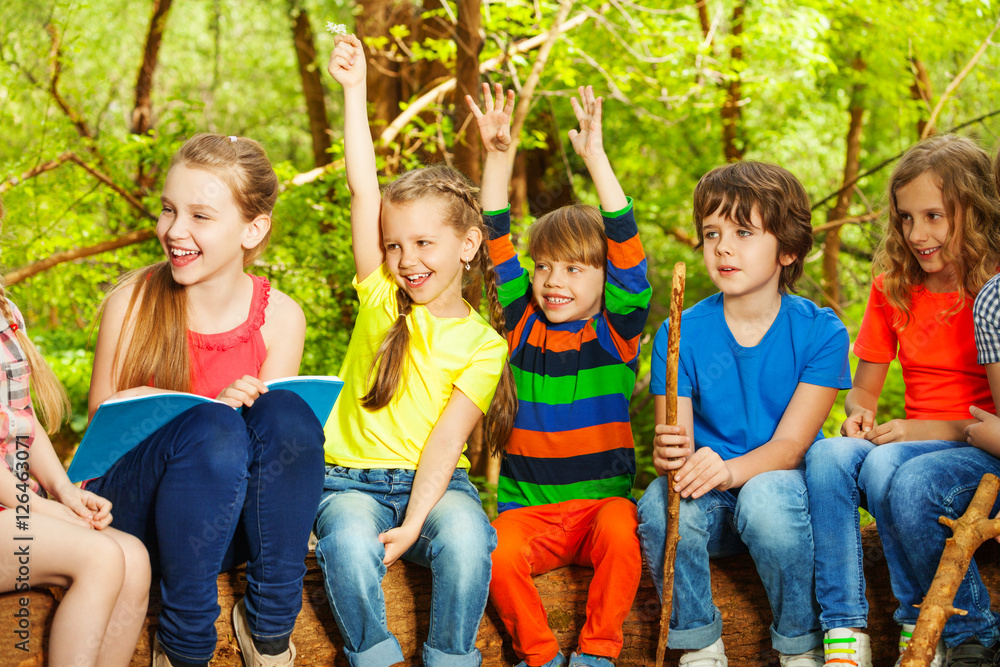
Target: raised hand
347,62
587,141
494,118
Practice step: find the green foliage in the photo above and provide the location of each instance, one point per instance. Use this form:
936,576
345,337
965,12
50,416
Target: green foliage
230,67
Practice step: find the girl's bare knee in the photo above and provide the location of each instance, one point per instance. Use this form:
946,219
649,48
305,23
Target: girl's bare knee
102,560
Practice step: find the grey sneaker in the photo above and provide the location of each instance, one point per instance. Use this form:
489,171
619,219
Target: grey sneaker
813,658
710,656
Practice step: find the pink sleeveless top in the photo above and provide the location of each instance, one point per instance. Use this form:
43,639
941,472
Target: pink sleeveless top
219,359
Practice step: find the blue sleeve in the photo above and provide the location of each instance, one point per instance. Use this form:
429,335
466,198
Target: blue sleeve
829,365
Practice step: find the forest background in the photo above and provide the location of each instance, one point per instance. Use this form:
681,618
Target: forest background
96,96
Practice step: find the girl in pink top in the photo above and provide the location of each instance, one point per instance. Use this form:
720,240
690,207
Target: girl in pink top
63,541
214,487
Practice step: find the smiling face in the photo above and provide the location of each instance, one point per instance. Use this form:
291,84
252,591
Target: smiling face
200,227
925,226
566,291
426,256
742,261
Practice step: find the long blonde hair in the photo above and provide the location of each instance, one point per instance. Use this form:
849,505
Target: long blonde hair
461,209
51,401
157,348
967,187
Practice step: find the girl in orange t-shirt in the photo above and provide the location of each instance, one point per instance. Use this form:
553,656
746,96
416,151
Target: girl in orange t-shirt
941,244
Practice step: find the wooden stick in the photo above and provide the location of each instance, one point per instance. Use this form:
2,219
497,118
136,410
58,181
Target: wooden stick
970,530
673,498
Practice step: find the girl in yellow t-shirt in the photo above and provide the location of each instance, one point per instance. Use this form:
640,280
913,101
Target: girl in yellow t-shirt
421,370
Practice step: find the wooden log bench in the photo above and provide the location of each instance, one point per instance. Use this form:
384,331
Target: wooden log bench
735,585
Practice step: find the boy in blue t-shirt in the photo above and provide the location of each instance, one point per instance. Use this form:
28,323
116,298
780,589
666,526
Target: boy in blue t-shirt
759,371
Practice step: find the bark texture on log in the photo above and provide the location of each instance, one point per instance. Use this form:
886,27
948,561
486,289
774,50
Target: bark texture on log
736,589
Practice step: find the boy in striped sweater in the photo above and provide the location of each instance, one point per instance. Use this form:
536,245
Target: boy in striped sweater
573,328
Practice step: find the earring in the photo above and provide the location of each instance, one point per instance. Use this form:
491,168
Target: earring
468,266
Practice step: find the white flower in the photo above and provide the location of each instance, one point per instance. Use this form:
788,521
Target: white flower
336,28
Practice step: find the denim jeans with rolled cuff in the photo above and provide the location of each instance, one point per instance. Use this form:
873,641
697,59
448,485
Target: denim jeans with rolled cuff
769,517
455,542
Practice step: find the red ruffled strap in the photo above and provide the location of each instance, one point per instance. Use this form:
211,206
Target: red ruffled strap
242,333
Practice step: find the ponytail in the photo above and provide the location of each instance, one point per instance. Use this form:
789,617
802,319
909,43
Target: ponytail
390,359
157,350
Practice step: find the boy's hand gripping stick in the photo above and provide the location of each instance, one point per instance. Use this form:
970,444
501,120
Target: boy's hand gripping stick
673,497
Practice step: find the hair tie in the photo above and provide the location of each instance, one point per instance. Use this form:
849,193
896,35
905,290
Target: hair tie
232,138
14,327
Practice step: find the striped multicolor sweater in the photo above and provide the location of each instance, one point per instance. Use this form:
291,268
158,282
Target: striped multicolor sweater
572,438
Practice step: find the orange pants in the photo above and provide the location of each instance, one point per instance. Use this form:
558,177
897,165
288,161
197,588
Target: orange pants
533,540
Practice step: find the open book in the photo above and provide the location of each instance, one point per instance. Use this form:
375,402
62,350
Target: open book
121,424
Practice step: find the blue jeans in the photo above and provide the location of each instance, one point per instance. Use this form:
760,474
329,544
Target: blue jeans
940,483
455,542
769,517
843,474
214,488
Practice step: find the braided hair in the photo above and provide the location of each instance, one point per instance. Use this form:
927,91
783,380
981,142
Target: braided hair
461,211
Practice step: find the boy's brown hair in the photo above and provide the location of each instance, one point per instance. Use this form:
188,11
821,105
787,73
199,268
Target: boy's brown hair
572,233
740,188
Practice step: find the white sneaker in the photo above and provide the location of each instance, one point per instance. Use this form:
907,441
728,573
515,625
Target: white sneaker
813,658
710,656
905,633
844,646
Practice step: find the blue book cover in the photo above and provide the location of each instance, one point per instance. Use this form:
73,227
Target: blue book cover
119,425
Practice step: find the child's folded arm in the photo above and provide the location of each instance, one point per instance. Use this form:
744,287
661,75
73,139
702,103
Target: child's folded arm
438,460
861,401
802,420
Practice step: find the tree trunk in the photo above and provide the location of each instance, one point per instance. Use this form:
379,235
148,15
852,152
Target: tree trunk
469,40
142,114
921,90
384,83
519,188
731,113
312,84
831,248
